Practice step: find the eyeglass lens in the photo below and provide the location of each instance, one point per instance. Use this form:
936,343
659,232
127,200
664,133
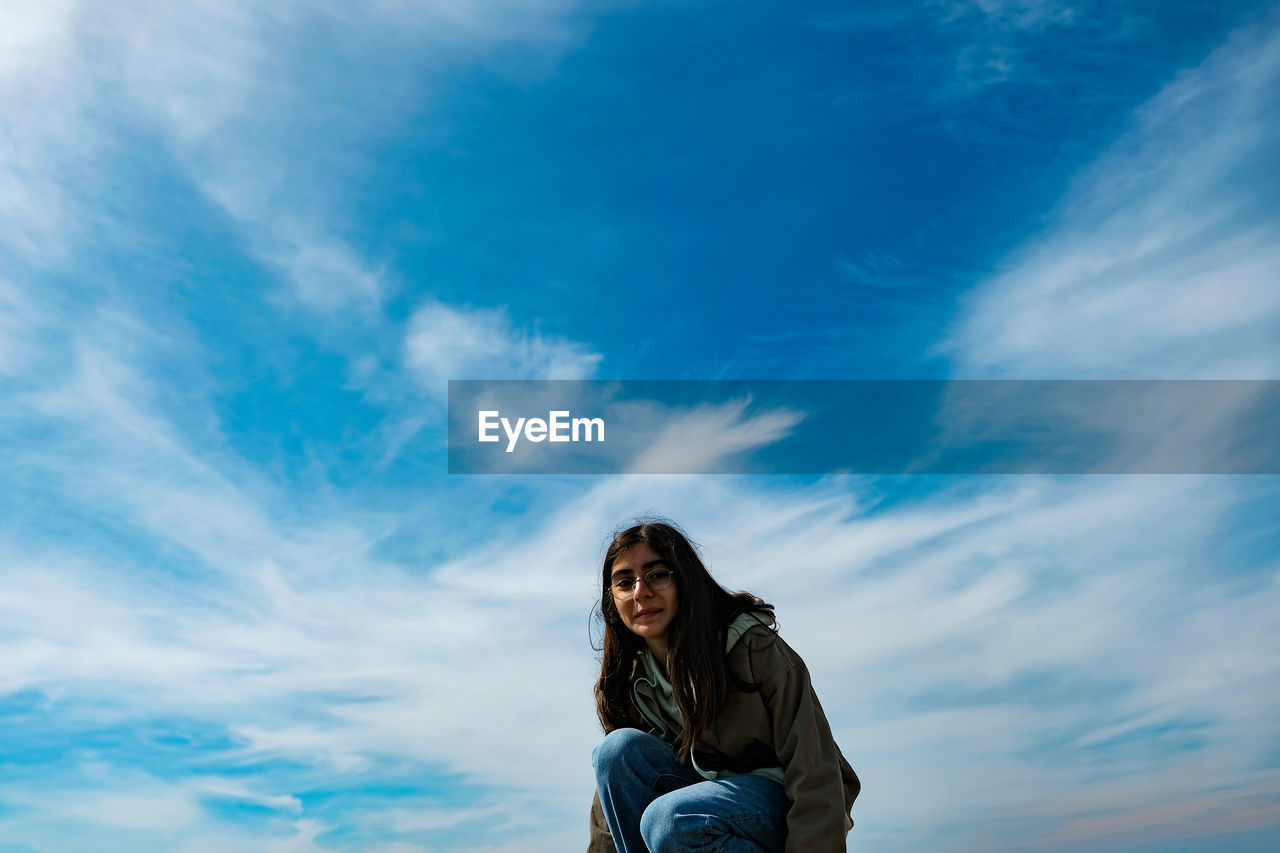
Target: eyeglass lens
657,580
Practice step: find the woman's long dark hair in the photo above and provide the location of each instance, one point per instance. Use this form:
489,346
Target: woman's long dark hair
695,644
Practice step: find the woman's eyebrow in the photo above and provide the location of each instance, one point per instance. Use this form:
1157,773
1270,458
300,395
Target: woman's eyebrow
649,565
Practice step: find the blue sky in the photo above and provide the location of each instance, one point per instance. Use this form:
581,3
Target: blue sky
244,245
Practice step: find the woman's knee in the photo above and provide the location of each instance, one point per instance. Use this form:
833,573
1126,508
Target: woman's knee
627,752
622,748
666,828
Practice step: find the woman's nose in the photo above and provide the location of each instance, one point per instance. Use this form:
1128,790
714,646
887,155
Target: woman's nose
640,584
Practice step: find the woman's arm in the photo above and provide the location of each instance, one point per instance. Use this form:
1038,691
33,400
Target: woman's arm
810,759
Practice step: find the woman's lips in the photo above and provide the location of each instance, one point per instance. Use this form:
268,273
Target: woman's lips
644,614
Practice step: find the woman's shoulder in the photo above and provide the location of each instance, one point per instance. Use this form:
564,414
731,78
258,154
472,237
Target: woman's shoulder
760,647
750,626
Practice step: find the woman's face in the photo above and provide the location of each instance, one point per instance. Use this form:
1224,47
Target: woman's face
645,611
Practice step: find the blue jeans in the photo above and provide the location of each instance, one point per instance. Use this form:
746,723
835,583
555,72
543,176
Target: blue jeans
653,801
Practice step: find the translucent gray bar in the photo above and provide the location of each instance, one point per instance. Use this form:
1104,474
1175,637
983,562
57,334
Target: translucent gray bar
865,427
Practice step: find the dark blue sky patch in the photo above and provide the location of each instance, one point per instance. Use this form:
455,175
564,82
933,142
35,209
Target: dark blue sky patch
71,734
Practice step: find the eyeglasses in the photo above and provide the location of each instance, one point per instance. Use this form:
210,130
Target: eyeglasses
657,580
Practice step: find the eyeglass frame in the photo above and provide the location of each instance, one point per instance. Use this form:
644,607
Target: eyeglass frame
636,581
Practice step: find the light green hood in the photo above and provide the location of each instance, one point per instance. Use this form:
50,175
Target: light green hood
652,694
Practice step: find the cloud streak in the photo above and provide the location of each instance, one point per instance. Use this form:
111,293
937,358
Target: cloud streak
697,441
405,669
1162,259
446,343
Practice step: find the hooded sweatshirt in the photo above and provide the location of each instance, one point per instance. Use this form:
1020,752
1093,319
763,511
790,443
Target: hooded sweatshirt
656,700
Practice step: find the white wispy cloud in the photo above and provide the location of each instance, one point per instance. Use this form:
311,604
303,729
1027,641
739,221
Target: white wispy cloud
121,809
697,441
966,591
272,141
940,594
1162,259
31,32
268,110
1159,263
40,100
446,343
264,136
328,277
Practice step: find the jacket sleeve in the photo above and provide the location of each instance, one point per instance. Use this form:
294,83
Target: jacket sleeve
807,751
601,841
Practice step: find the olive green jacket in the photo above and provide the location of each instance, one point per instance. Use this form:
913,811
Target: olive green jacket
782,725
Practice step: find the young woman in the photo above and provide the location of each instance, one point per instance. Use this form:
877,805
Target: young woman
714,739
